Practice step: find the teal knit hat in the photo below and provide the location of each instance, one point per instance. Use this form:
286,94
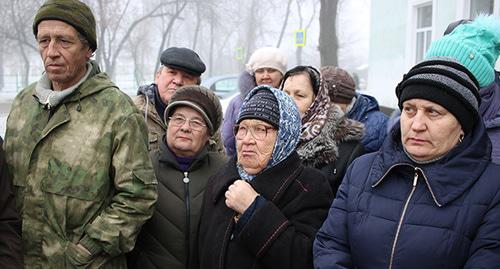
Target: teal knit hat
476,45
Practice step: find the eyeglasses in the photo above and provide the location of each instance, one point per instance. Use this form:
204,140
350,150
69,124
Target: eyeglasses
178,121
259,132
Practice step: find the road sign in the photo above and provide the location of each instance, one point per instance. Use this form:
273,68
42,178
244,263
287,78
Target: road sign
300,38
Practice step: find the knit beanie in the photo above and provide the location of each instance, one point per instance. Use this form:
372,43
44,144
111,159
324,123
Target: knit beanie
73,12
476,45
340,85
200,99
262,105
444,81
267,57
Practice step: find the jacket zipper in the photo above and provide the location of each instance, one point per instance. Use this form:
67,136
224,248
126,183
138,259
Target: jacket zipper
415,180
188,213
429,187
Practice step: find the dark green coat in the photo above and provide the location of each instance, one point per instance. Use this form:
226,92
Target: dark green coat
167,240
82,175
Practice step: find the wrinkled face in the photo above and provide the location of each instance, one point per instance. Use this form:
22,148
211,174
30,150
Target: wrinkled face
268,76
300,89
428,130
254,154
186,139
63,53
170,79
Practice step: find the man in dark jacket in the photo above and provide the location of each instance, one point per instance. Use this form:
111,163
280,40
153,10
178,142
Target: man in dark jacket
11,255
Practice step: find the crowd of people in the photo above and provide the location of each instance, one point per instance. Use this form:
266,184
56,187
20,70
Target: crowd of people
301,172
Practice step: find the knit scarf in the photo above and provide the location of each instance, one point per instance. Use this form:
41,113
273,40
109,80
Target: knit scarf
50,98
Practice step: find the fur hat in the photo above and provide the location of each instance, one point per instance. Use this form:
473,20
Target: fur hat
446,82
200,99
340,85
72,12
267,57
476,45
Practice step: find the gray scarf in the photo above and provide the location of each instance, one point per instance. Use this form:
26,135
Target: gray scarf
50,98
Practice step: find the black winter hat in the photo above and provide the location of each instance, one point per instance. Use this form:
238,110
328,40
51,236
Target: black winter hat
183,59
262,105
446,82
200,99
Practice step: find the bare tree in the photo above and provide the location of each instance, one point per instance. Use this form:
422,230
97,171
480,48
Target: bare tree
285,22
179,7
18,29
114,30
328,42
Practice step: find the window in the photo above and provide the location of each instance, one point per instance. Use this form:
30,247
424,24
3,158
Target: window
423,30
480,6
472,8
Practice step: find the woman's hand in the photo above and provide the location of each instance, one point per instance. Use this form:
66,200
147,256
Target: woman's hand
240,195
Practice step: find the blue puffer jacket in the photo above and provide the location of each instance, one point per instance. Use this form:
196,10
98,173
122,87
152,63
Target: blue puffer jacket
366,111
393,213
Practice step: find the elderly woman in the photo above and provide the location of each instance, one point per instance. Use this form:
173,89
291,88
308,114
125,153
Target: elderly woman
430,198
263,209
266,66
182,166
329,141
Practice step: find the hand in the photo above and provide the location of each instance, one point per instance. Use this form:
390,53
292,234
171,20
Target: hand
239,196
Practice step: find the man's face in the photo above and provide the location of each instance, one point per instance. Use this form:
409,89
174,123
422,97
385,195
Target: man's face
64,55
169,79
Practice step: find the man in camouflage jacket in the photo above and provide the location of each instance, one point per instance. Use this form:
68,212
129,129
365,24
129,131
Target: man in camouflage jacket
77,149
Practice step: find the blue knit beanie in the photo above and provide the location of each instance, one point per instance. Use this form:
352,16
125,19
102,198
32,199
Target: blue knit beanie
476,45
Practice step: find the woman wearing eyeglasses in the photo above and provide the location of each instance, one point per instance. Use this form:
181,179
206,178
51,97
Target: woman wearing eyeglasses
263,208
182,166
329,141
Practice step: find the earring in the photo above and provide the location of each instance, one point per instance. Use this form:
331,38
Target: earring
461,138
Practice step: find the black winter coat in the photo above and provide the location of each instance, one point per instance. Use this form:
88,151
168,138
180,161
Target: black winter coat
11,255
280,233
168,239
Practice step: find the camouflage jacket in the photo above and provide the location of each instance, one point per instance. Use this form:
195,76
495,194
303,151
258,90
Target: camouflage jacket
156,126
82,175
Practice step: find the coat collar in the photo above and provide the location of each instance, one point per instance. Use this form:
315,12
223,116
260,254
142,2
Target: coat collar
447,178
271,183
166,156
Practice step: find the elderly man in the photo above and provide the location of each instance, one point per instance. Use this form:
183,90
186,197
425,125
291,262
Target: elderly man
77,149
179,67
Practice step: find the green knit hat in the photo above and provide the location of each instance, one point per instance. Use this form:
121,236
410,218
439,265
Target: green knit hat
73,12
476,45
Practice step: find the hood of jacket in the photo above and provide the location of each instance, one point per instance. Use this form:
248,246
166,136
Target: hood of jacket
148,91
96,82
362,106
490,103
324,148
448,177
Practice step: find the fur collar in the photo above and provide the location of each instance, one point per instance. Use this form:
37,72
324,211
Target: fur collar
324,148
